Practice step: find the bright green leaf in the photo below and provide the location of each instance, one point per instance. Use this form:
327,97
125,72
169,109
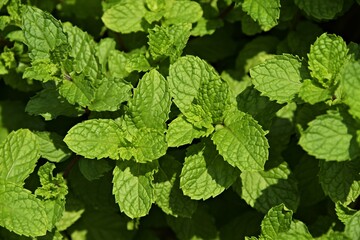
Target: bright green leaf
279,78
242,142
19,153
329,137
326,58
168,41
125,16
265,12
150,105
205,174
182,11
52,147
133,188
352,229
311,93
42,32
267,188
109,94
350,80
21,212
181,132
277,220
96,138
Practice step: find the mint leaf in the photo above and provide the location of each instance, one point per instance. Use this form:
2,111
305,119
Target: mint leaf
277,220
122,64
50,105
352,226
105,46
96,138
329,137
242,142
78,90
126,16
21,212
150,105
181,132
279,78
147,144
321,9
52,147
267,188
340,180
133,188
349,83
83,51
109,94
168,41
43,33
326,58
182,11
198,91
168,195
53,192
265,12
311,93
205,174
19,153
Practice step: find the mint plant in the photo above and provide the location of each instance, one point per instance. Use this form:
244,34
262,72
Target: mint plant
180,119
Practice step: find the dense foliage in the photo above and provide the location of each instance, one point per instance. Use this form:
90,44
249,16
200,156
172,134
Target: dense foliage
179,119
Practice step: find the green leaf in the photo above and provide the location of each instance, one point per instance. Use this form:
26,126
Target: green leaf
19,153
43,70
106,45
125,16
352,229
83,51
242,142
49,104
198,91
133,188
150,105
109,94
53,192
96,138
311,93
43,33
94,169
265,12
182,11
326,58
330,137
350,85
340,180
78,90
168,41
169,196
122,64
321,9
205,174
146,145
21,212
279,78
343,212
277,220
52,147
298,231
267,188
181,132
